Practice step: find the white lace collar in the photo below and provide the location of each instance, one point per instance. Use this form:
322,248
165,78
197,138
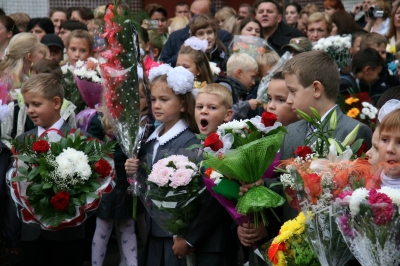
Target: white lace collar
177,129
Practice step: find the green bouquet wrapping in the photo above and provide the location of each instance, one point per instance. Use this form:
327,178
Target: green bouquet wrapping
230,152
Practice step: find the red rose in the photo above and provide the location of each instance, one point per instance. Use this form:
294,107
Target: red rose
41,146
213,142
268,119
303,151
103,168
60,201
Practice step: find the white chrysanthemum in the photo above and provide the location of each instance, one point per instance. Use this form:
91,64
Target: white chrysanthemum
73,163
362,116
318,46
372,115
365,111
180,80
233,125
90,74
79,63
96,79
357,197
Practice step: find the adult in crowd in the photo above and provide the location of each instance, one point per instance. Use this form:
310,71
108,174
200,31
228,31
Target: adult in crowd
246,11
379,25
311,8
159,13
343,23
177,23
231,23
223,14
359,12
319,25
57,16
21,20
249,27
269,13
332,6
182,9
302,22
177,38
40,27
68,26
81,14
292,14
7,30
394,31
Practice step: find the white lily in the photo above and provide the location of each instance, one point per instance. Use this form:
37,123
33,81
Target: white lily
322,165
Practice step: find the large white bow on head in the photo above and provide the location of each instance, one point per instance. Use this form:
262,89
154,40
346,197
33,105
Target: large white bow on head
196,44
387,108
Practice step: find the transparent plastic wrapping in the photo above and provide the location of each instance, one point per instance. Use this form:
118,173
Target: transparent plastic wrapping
250,45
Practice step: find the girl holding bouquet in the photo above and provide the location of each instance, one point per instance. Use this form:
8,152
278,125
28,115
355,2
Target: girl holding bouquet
79,47
173,105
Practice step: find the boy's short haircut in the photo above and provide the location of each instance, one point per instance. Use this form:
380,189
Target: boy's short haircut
389,94
278,76
220,91
48,66
278,6
314,66
240,61
357,33
20,19
45,84
366,57
72,25
371,39
269,58
318,17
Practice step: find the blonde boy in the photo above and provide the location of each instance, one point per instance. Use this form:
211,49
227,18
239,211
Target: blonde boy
265,62
213,108
375,41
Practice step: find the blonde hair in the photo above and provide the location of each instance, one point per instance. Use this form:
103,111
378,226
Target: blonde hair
21,20
99,12
267,59
224,13
314,66
178,22
318,17
15,61
240,61
44,50
371,39
230,24
391,122
220,91
47,85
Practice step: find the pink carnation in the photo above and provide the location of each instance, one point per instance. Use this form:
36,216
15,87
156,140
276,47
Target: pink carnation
182,177
345,194
344,225
382,206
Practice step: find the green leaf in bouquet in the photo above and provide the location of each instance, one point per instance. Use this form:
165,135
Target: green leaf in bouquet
26,159
195,146
23,170
55,148
71,209
93,185
84,189
94,158
356,145
63,143
19,178
92,195
34,189
304,116
46,185
201,136
89,147
83,198
76,201
228,188
315,113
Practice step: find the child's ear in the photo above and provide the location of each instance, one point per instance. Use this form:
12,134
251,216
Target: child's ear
366,70
229,115
318,89
182,109
57,103
238,73
156,52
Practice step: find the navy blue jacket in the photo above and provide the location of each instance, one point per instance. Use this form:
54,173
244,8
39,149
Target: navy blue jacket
282,35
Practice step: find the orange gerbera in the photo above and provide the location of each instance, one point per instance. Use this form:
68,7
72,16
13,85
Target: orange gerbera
351,100
353,112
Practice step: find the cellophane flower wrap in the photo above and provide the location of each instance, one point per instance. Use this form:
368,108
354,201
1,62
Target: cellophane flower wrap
317,176
250,45
71,90
88,79
57,180
369,221
290,247
121,79
337,47
4,110
243,150
174,189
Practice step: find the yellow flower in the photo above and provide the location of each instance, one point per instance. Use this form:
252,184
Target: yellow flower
351,100
281,258
390,49
353,112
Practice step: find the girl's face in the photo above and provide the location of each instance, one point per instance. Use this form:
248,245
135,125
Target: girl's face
162,22
38,32
389,151
166,106
373,153
220,22
251,29
397,18
57,18
5,35
291,15
187,62
78,49
207,34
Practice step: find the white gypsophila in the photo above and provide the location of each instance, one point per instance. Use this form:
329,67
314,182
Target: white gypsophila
326,179
392,193
287,180
357,197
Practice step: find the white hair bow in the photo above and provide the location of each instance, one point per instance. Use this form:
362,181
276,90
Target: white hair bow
387,108
196,44
140,71
159,71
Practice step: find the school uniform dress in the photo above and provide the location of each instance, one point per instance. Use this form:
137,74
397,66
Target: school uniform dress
158,247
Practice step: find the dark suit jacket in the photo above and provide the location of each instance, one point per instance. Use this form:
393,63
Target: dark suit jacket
31,232
171,48
282,35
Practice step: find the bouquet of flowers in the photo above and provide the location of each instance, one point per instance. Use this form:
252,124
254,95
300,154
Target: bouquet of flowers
56,180
216,71
250,45
337,47
71,90
364,111
88,79
370,224
4,110
290,247
243,150
317,176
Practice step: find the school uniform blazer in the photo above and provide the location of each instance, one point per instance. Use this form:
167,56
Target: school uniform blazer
32,233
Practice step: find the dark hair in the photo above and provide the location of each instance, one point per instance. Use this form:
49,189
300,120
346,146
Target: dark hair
344,22
201,61
212,9
57,9
44,23
391,93
278,76
9,24
48,66
153,8
250,7
296,5
202,22
366,57
246,21
357,33
73,25
2,13
181,4
278,6
144,35
84,12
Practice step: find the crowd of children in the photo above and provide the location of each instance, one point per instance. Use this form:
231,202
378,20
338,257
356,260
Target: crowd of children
186,96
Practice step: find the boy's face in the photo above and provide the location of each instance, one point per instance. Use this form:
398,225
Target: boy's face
277,95
369,75
356,46
299,97
41,111
263,70
373,153
210,112
246,77
381,49
56,53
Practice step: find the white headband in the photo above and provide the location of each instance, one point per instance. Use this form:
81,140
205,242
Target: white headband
179,79
387,108
159,71
197,44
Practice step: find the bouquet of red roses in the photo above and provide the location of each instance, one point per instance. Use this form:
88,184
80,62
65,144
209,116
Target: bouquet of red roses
56,180
243,150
